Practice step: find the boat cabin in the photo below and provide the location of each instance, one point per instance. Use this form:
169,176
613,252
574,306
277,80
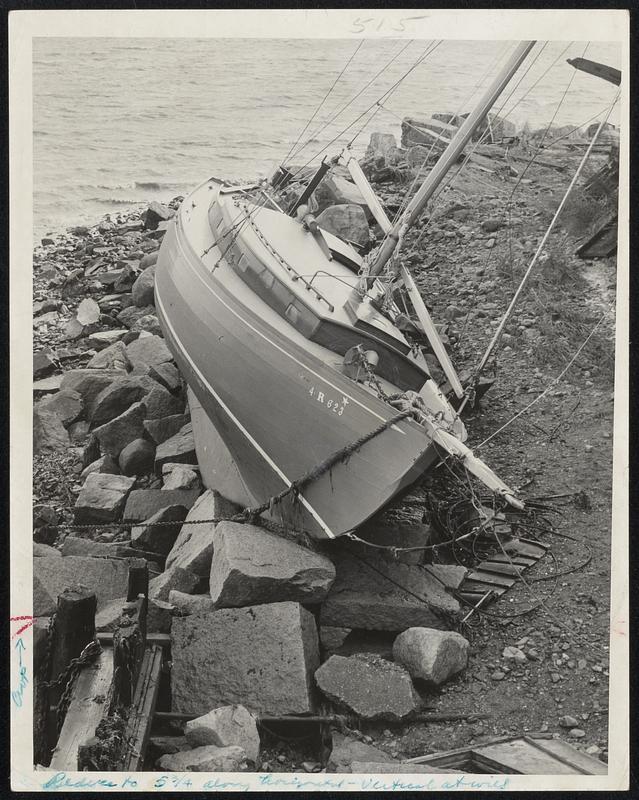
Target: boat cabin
315,291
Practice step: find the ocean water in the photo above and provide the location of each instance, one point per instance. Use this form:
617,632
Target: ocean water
118,122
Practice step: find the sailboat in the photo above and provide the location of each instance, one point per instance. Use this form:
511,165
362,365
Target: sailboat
292,345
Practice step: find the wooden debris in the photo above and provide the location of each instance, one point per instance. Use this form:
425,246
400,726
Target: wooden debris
138,730
91,695
519,756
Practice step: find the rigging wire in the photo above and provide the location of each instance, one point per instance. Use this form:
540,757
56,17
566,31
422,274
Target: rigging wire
323,127
425,55
464,102
325,98
549,387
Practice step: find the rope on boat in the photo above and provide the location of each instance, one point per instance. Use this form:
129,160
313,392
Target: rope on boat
251,514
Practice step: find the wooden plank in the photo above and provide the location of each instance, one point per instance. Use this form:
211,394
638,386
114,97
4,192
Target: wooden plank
479,587
493,580
568,754
141,716
129,642
501,568
521,561
85,710
521,756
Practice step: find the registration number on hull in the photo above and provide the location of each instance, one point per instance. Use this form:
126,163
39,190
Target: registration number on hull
330,403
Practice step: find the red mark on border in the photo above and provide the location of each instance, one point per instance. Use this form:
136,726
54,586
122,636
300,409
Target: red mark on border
28,622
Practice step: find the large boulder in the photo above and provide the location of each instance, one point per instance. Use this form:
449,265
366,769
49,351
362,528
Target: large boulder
130,315
66,404
137,458
167,374
336,190
225,726
144,503
173,578
118,396
49,434
43,364
252,566
158,616
157,534
386,596
368,686
431,655
156,213
179,449
107,577
112,357
160,403
205,759
142,291
185,604
261,656
102,498
115,435
150,350
162,429
89,383
193,548
346,221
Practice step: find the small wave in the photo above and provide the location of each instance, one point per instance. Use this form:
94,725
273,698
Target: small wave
117,201
157,186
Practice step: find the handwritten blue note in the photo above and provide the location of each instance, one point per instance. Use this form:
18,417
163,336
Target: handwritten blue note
17,694
246,782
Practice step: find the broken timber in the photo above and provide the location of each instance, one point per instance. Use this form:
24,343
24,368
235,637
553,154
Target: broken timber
523,755
501,571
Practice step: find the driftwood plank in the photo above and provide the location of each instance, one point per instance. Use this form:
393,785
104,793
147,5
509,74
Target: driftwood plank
138,729
85,711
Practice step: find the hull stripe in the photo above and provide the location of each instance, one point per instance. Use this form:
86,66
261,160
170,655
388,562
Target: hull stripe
239,425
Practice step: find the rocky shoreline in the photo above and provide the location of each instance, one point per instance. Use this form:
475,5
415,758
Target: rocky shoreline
113,445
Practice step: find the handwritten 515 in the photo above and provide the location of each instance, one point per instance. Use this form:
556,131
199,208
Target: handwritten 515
376,25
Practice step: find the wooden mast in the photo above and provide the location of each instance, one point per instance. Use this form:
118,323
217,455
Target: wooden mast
448,158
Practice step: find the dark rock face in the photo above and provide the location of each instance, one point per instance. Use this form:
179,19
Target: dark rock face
369,686
162,429
49,434
42,365
137,458
179,449
172,579
160,403
160,538
118,396
252,566
115,435
102,498
107,577
89,383
129,316
364,598
66,404
143,288
150,350
112,357
261,656
166,374
156,213
193,548
346,221
144,503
